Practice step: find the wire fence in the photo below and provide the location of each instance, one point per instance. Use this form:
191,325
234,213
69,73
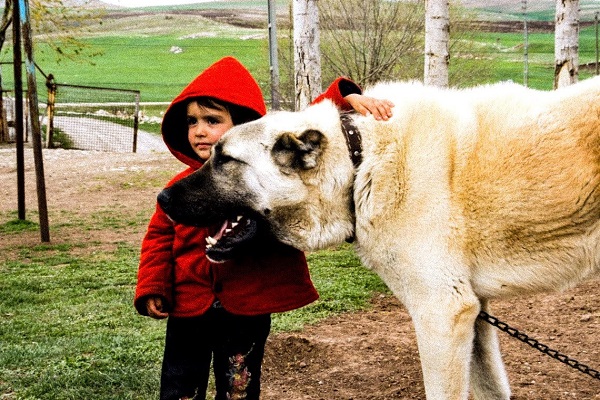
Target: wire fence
92,118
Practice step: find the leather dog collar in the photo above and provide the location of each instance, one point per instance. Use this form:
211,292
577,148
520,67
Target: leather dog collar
353,139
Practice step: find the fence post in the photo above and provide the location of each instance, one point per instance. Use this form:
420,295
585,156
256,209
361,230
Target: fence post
51,99
136,121
596,26
3,121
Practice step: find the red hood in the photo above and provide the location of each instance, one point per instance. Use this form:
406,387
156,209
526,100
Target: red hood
225,80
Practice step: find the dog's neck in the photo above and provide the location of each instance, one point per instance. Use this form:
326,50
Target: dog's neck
353,139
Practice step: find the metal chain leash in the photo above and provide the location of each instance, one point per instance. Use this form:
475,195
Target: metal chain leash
539,346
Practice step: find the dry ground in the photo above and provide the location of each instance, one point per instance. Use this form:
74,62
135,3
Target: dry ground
369,355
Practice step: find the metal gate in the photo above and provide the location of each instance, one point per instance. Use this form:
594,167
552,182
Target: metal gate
91,118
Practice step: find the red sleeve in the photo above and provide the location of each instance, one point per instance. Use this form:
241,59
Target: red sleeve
336,92
155,272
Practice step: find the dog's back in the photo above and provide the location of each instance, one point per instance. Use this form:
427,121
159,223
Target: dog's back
518,169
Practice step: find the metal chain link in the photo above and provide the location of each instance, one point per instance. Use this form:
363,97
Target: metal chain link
539,346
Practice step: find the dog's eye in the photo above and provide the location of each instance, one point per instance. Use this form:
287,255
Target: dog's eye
222,159
217,154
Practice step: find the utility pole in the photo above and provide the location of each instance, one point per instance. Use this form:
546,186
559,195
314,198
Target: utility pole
525,46
597,52
274,63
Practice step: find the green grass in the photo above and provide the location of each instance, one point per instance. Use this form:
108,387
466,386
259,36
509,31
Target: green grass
17,225
146,64
502,55
68,329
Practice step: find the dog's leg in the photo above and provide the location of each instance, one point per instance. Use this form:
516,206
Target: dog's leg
488,376
444,317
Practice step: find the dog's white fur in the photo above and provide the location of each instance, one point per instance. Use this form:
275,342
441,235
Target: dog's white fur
462,197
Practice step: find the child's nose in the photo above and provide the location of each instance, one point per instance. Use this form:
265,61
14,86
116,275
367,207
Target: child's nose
199,130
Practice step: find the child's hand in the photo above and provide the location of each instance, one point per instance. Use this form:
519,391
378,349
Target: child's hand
154,306
380,109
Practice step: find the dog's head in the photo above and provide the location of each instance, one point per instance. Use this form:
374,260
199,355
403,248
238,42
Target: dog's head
285,177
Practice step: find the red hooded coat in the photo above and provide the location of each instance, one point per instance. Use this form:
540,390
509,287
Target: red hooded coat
173,263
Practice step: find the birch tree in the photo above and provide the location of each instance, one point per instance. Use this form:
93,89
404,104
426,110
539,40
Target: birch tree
437,39
566,43
307,58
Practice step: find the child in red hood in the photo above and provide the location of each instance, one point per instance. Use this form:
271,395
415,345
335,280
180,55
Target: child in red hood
220,311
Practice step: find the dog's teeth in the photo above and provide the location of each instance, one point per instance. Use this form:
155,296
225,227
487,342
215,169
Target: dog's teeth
227,231
234,224
211,240
208,246
239,218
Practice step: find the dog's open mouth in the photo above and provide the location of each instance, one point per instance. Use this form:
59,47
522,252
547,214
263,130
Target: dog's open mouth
230,238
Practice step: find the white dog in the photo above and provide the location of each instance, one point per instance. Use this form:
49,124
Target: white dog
462,197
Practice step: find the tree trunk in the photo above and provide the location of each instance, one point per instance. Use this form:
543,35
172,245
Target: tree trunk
566,43
437,38
307,56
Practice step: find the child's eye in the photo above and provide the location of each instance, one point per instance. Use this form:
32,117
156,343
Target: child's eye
212,120
191,121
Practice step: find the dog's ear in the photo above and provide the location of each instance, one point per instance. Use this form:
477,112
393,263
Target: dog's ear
303,151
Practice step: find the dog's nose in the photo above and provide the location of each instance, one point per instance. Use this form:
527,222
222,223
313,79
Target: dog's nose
164,200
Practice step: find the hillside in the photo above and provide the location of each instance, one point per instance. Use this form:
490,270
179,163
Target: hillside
497,15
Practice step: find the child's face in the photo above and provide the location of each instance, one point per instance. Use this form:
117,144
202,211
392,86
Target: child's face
205,127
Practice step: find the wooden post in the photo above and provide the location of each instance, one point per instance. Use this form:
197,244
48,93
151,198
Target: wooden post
274,62
3,121
18,76
50,109
136,121
36,133
597,52
525,46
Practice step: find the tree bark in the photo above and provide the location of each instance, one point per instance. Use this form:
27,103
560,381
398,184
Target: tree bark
307,57
566,43
437,38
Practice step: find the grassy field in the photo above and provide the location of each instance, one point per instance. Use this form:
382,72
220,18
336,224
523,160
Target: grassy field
68,329
136,54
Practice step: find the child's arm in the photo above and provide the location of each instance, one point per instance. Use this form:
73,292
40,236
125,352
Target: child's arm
155,273
348,96
380,109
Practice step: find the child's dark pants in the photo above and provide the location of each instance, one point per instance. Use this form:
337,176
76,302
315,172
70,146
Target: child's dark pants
236,344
